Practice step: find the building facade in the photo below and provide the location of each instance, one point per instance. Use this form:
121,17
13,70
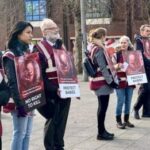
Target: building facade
114,17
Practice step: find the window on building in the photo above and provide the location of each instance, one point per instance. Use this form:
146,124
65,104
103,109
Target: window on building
35,10
98,9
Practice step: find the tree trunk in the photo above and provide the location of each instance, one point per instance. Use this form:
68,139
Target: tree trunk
49,7
118,10
66,36
78,37
129,18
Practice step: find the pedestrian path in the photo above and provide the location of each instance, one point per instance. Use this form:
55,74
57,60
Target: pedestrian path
81,129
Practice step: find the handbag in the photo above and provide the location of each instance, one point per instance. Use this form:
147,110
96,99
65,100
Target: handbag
9,107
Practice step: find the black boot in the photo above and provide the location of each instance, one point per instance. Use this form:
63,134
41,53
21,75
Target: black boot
126,121
105,136
136,114
120,125
112,134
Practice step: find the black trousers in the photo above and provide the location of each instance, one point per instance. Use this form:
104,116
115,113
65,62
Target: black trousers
144,99
103,101
56,114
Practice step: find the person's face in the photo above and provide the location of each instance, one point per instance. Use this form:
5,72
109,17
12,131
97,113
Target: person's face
26,35
52,34
124,44
103,38
30,70
146,32
100,41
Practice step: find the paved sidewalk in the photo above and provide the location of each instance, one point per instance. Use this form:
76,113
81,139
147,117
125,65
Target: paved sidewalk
81,129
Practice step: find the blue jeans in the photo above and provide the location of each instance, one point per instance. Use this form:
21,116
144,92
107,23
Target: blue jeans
124,97
22,128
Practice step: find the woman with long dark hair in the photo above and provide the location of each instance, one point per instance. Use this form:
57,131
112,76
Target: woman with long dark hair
18,45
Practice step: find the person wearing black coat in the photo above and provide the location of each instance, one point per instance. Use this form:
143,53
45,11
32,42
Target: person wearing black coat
144,90
56,109
18,45
4,95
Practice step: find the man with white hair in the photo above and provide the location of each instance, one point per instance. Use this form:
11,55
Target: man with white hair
56,109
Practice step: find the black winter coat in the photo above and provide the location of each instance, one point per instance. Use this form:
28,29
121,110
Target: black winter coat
9,67
4,90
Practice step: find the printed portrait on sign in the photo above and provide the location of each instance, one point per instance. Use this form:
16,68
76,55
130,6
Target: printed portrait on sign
67,77
135,63
29,78
111,65
65,65
31,74
146,44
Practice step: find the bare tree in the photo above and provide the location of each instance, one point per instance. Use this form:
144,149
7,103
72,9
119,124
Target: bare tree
48,7
129,18
131,12
78,36
11,12
147,9
15,12
73,7
3,23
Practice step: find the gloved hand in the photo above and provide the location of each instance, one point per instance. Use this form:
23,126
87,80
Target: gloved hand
21,111
58,44
114,85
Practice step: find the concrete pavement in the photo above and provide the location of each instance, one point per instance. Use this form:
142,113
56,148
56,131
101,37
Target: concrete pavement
81,129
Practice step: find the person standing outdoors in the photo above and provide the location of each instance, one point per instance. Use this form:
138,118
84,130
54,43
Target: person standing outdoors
102,84
18,45
124,92
56,109
4,95
142,43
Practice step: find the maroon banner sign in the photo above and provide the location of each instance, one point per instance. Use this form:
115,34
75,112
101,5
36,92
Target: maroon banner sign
29,80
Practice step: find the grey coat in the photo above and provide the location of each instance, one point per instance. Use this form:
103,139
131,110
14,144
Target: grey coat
101,61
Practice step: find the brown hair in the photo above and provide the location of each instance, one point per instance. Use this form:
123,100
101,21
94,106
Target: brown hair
97,33
143,27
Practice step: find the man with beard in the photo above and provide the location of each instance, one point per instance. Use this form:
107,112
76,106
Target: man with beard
56,109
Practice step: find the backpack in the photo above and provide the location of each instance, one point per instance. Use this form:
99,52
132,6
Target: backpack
4,93
88,66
